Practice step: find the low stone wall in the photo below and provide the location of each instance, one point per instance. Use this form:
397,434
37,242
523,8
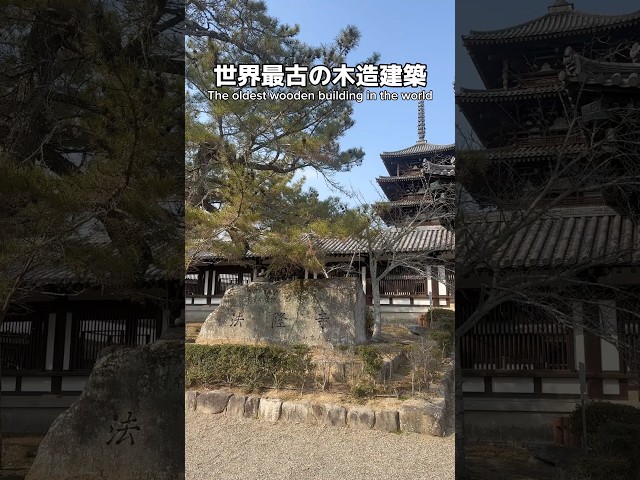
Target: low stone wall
418,417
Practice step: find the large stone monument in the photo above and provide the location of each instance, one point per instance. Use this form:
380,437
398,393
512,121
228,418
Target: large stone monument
128,422
314,312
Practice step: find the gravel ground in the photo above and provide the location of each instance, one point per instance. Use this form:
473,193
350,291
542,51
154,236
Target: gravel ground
229,448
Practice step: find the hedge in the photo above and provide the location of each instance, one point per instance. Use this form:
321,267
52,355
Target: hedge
251,366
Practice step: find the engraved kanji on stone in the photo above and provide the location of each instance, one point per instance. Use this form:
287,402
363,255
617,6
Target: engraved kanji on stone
278,320
322,319
237,321
123,429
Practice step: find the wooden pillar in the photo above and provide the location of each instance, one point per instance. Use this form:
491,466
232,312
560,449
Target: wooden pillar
51,335
68,332
212,284
59,343
610,356
578,335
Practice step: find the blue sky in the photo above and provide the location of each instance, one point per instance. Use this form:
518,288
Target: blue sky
405,32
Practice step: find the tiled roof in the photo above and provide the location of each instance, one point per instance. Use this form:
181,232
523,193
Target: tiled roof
405,203
593,72
475,95
417,149
437,169
554,25
60,275
401,178
533,153
567,240
419,239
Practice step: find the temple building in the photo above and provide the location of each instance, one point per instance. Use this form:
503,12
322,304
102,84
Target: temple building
559,125
416,187
50,341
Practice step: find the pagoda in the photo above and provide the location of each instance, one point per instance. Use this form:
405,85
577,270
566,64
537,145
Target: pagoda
417,180
558,123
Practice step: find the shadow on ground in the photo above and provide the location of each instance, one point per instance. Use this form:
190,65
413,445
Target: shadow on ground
506,462
18,453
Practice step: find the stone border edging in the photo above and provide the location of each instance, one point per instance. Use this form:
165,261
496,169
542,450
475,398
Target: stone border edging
431,420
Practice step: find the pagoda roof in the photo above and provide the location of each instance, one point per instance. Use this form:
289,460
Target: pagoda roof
497,94
401,178
409,202
446,170
533,153
554,25
420,148
429,167
595,72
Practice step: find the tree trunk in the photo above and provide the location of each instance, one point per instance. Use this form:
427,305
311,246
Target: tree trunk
375,297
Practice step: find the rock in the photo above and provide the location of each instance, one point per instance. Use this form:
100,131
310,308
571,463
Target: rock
387,421
327,414
213,402
127,423
235,406
321,312
421,420
190,399
251,406
297,412
552,453
418,330
360,417
270,409
437,411
318,412
335,416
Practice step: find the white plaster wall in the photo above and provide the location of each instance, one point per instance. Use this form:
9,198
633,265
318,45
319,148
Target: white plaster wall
561,385
36,384
473,384
512,385
611,386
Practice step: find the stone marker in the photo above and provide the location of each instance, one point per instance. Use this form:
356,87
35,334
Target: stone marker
314,312
127,423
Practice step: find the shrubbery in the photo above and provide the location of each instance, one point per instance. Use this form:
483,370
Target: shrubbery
601,415
248,365
613,439
371,359
443,329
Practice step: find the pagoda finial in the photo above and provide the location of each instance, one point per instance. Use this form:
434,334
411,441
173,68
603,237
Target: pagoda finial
421,121
560,6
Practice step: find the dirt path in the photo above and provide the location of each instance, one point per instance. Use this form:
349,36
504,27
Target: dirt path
506,463
230,448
